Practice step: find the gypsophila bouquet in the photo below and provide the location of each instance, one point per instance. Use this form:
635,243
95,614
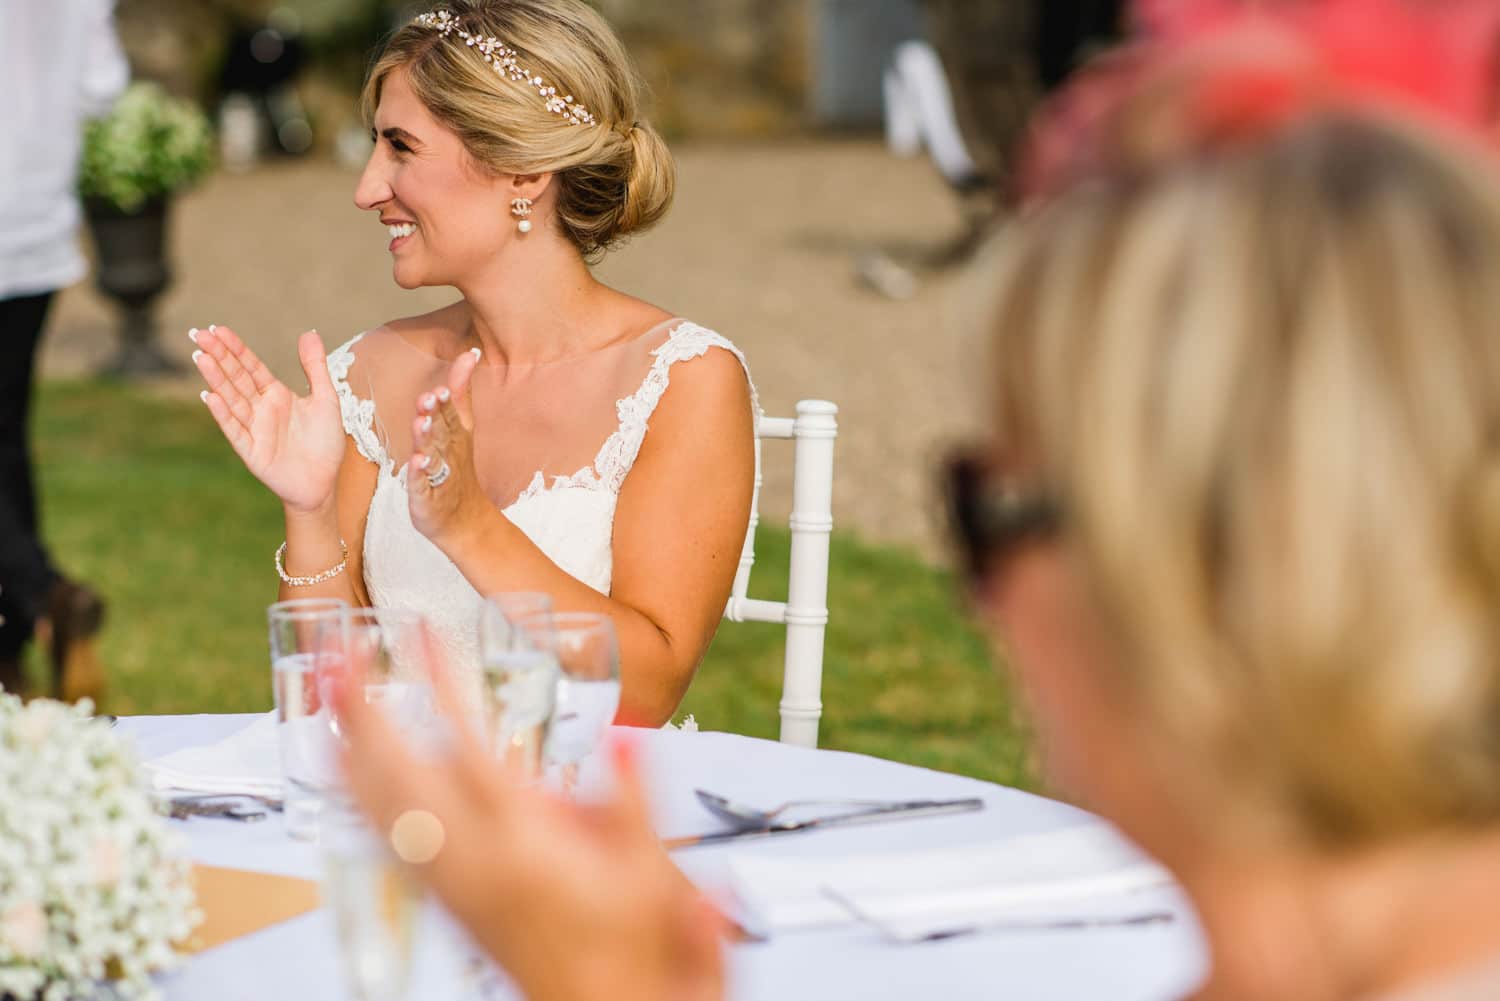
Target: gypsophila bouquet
151,144
94,891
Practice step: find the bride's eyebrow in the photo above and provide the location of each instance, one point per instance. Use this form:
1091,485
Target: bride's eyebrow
397,134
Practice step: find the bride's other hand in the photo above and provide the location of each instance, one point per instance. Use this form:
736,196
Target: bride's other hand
443,492
292,444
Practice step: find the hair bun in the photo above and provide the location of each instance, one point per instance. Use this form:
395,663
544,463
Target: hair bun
652,182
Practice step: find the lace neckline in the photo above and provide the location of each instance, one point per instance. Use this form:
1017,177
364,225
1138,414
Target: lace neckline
621,342
617,454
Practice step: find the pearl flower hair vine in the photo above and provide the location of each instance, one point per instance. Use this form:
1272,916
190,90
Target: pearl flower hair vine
505,63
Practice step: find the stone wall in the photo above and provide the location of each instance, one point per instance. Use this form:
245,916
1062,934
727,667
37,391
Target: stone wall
720,67
716,68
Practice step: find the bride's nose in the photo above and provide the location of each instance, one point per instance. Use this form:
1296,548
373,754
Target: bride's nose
374,188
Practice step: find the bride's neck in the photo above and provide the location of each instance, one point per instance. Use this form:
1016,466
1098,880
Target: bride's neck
533,305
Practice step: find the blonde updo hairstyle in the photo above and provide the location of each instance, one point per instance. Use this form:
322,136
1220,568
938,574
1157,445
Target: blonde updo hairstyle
1264,381
614,177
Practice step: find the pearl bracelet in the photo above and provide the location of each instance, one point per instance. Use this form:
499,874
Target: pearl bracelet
316,578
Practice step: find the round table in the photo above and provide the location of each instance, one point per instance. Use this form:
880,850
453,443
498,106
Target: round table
298,959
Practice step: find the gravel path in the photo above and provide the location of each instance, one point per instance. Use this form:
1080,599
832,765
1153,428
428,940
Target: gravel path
760,246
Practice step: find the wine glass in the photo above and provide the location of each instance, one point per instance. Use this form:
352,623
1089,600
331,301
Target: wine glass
586,651
519,677
307,640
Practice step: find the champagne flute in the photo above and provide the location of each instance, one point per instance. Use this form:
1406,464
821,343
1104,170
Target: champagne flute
519,677
587,654
307,640
374,900
375,903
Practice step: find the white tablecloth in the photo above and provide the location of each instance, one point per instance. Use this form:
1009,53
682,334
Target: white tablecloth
298,959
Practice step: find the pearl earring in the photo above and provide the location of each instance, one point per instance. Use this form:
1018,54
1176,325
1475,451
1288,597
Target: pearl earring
521,209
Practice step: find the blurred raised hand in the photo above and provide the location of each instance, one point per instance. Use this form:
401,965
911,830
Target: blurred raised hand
293,444
574,902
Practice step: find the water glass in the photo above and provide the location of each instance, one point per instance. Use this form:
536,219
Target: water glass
307,639
391,644
587,654
519,678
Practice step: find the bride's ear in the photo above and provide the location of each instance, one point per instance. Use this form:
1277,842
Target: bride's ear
530,186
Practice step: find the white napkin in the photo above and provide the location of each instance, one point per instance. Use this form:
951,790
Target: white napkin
1085,873
245,762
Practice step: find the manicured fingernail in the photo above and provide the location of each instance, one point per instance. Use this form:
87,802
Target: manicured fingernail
196,356
426,424
476,352
203,396
212,327
428,402
193,335
423,461
444,395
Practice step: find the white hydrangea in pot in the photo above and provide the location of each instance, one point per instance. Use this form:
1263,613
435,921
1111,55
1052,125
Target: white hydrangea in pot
95,893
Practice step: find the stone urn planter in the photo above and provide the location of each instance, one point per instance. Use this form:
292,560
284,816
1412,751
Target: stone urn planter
149,147
133,271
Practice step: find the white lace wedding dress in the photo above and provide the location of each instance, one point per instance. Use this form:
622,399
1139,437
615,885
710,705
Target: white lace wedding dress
570,516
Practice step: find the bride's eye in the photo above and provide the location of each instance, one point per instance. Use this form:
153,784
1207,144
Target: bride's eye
396,144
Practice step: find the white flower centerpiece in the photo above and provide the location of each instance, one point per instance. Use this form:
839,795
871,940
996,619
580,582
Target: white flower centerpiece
94,890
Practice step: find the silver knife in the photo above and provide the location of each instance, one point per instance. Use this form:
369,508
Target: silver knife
895,811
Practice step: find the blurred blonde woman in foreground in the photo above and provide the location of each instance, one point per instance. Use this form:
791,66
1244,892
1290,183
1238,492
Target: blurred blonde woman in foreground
1239,527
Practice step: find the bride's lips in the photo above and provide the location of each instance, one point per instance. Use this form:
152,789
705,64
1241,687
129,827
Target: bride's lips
398,240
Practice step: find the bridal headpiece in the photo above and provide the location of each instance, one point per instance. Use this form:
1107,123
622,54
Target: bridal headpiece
505,62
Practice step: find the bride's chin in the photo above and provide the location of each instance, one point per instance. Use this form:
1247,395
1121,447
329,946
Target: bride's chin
406,279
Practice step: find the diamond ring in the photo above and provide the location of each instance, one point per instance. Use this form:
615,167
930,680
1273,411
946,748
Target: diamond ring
440,477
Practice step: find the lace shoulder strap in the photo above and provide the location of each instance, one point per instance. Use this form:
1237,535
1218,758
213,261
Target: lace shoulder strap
686,342
358,414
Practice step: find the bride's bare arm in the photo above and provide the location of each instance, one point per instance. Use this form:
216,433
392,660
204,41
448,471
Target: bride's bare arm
678,530
312,537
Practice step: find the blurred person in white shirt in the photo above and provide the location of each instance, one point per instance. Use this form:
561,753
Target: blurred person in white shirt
60,63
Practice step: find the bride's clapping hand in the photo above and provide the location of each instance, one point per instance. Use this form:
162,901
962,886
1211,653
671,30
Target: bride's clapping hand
443,491
293,444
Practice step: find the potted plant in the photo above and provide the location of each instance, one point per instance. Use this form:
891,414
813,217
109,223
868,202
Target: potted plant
148,147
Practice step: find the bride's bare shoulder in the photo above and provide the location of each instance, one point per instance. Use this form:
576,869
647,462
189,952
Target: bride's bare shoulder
439,332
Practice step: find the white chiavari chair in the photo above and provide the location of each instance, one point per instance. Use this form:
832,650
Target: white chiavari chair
805,612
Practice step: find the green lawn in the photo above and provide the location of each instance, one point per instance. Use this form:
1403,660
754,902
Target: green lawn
144,499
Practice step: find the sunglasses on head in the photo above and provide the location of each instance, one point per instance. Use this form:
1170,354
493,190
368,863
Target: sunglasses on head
989,517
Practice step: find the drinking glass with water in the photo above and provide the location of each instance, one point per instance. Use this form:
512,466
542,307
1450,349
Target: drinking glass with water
390,645
307,639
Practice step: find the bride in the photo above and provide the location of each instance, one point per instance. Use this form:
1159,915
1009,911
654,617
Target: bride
500,443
